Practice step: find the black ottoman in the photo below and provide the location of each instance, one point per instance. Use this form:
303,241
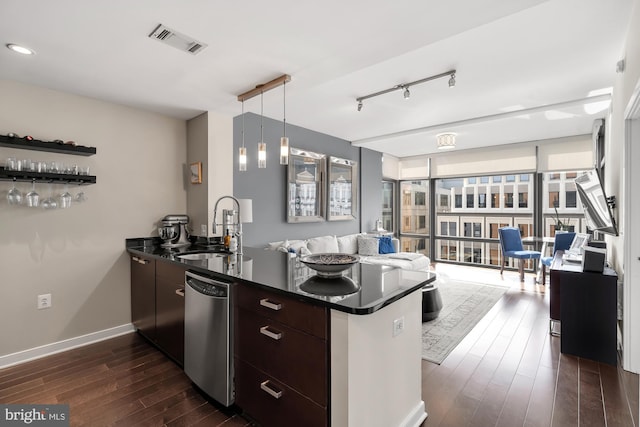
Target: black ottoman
431,302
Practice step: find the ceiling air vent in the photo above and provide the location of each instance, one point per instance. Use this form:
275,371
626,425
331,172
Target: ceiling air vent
173,38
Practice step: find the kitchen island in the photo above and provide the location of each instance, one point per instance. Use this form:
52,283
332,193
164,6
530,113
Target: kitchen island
373,344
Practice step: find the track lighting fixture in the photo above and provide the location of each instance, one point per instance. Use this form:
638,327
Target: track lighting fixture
405,86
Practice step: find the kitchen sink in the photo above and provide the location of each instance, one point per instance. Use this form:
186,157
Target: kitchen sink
201,255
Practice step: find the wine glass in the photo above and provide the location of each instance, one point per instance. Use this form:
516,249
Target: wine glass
33,198
14,196
65,198
49,202
80,197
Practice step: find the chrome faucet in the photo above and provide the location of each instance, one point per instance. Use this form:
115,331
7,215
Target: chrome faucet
236,225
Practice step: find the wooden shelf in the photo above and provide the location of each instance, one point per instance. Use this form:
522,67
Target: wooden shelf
50,146
53,178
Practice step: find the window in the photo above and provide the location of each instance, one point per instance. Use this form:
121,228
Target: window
422,221
554,176
388,205
469,200
496,179
448,228
415,214
508,200
523,200
472,229
524,178
471,180
571,175
458,200
495,200
444,201
482,200
484,179
554,199
570,200
510,178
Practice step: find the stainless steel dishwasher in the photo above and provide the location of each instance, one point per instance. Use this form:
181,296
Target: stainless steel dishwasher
208,358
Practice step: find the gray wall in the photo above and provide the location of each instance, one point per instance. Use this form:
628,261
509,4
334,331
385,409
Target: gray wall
267,187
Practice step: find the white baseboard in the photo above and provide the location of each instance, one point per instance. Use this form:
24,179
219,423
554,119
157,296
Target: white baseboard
416,417
64,345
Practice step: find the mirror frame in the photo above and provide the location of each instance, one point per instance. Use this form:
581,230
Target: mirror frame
338,165
296,158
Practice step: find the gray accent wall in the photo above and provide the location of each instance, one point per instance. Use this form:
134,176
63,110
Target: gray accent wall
267,187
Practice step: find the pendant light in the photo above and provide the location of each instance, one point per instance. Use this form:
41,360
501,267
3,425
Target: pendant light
242,152
262,147
284,141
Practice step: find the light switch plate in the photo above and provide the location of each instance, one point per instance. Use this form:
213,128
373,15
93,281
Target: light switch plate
398,326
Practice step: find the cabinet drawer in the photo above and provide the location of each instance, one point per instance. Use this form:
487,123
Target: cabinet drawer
272,403
297,314
296,358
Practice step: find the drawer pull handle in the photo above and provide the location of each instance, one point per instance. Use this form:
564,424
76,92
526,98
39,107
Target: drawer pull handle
272,305
180,292
274,335
264,386
140,260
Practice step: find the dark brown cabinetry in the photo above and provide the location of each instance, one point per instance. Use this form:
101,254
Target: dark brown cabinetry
170,309
281,358
585,303
143,295
157,303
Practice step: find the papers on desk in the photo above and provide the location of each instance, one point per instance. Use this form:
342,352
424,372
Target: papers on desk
572,257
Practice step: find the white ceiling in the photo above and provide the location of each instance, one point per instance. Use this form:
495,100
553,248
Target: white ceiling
509,55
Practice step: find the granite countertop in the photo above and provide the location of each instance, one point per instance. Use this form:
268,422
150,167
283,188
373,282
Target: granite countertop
364,289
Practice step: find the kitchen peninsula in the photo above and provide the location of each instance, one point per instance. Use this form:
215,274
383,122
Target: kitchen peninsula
369,340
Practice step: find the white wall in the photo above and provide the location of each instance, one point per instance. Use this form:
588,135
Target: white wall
78,255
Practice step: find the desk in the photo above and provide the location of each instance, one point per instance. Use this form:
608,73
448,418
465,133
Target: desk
585,305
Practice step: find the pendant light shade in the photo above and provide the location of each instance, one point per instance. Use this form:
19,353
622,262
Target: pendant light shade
262,147
242,159
284,141
262,155
242,151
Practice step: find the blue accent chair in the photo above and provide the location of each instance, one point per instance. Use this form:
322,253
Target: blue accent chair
562,242
511,245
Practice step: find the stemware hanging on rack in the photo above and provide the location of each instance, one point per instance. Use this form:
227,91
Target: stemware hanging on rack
50,202
33,198
14,196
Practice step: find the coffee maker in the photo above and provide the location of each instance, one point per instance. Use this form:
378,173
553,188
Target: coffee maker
174,230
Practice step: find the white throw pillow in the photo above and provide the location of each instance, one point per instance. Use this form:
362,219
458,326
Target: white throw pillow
323,244
275,245
348,244
367,246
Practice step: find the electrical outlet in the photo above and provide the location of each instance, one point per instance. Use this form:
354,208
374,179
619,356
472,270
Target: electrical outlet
398,326
203,229
44,301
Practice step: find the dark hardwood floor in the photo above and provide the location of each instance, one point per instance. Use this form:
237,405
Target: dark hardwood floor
123,381
507,372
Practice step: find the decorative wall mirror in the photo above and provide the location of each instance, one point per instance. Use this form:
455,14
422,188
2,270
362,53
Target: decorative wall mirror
343,189
305,186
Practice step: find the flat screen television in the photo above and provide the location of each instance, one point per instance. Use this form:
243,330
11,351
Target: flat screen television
597,211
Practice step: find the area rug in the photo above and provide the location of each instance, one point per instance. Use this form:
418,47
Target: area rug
463,305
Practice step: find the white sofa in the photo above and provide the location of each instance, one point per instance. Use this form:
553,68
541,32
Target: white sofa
364,245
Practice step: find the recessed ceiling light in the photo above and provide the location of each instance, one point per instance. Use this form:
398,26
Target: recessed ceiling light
20,49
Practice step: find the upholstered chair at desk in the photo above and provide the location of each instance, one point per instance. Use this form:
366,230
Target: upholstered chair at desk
511,245
562,242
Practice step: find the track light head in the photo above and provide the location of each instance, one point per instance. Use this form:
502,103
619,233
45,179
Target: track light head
452,80
407,94
359,105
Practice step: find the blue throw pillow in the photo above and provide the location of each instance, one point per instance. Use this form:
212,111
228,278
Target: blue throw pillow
386,245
